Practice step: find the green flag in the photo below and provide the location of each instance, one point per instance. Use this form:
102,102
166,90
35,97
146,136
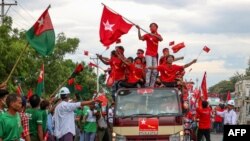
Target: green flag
40,82
41,36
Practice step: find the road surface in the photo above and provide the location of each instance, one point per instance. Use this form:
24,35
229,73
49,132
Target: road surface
216,137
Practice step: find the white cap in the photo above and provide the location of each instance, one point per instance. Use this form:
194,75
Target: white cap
231,102
64,90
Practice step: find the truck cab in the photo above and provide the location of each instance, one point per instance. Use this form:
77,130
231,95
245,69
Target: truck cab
147,114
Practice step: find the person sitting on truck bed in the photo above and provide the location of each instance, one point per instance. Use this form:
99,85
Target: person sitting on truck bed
135,72
169,72
116,65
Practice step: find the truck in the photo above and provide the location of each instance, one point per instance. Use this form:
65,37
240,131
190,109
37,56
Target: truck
242,101
148,114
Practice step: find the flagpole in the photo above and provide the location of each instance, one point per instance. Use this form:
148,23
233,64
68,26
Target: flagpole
199,54
17,61
125,18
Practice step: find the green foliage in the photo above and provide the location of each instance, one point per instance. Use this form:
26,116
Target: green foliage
225,86
57,69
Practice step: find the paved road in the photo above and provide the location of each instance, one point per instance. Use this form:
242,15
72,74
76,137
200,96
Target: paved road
216,137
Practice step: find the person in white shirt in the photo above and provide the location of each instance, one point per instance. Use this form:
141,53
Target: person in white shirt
230,116
64,116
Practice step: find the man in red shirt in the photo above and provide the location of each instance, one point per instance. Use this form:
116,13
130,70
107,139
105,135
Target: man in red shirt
163,59
117,68
204,121
218,120
152,39
169,72
135,72
140,54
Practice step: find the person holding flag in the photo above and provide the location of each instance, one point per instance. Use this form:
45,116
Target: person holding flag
170,72
166,53
117,68
152,40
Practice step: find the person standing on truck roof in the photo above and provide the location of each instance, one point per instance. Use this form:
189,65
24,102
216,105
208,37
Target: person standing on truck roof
169,72
117,68
152,39
204,115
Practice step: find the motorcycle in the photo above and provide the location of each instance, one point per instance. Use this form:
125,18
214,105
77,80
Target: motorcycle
189,126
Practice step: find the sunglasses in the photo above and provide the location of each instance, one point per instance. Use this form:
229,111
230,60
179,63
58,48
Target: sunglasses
138,53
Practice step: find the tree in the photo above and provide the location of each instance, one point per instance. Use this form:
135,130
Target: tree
222,87
57,68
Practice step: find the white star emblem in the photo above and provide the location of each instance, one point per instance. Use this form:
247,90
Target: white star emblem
40,21
143,122
151,39
108,26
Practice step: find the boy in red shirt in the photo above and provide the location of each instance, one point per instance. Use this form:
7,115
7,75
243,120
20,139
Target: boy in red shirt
204,121
117,68
163,59
152,39
140,54
169,72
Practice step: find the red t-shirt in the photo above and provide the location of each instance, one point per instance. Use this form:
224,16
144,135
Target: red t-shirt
152,44
218,118
169,73
162,60
204,116
135,74
117,70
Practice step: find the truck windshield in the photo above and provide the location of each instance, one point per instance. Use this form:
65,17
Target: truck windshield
156,102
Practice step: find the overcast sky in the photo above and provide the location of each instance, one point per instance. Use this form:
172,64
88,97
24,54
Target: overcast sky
222,25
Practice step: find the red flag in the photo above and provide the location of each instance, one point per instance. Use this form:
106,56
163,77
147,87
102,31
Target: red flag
178,47
30,93
19,90
112,27
148,124
118,41
86,53
171,43
71,81
103,99
204,86
78,87
206,49
92,65
78,69
228,96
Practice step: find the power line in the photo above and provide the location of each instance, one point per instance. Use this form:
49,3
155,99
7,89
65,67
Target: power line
27,23
3,13
26,11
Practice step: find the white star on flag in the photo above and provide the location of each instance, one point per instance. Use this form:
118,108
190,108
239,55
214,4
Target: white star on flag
108,26
40,22
143,121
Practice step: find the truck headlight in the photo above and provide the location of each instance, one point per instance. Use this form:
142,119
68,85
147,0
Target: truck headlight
176,137
117,137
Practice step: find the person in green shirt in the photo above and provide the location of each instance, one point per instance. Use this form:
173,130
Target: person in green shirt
3,95
90,126
10,121
35,119
44,106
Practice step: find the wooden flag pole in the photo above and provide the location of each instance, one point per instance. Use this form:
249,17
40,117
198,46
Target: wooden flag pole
125,18
17,61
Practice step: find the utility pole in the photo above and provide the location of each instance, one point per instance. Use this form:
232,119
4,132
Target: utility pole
3,13
96,60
